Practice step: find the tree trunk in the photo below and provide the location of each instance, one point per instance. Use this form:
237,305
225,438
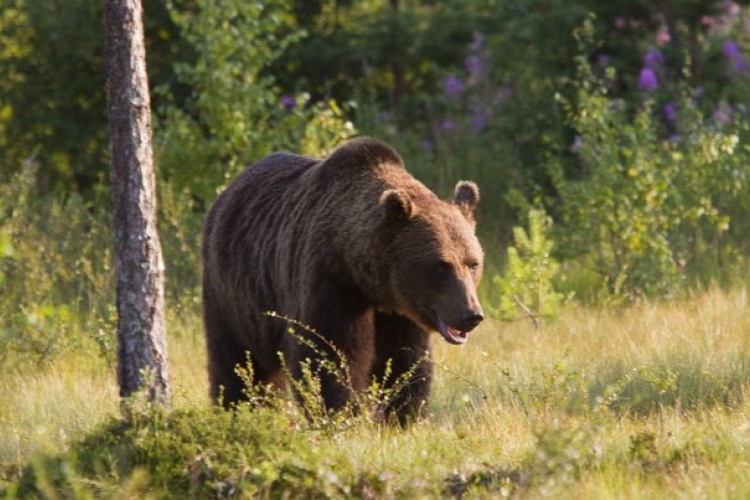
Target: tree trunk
141,326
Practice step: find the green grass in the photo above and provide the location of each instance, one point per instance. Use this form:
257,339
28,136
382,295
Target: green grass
643,402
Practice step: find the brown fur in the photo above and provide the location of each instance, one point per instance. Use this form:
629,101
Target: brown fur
352,246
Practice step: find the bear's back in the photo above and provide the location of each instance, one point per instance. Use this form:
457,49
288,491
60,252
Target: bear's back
359,156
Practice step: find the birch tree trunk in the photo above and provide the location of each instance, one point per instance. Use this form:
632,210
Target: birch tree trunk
141,326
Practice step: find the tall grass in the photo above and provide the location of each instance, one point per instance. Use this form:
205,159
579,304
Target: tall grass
638,401
648,400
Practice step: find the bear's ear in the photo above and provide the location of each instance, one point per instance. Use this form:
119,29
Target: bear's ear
398,205
466,198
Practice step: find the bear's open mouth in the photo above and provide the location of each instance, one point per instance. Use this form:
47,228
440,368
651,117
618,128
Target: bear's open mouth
450,334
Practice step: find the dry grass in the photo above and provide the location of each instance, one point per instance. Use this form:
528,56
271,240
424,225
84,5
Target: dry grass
505,402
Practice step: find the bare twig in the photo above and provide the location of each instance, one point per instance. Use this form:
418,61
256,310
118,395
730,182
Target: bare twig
527,311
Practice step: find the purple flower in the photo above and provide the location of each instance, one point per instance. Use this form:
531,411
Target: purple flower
731,49
647,81
723,114
577,143
742,65
473,65
478,119
447,125
653,59
288,101
478,123
427,145
670,112
454,86
478,41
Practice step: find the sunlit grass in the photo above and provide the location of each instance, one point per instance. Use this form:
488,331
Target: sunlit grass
44,408
517,409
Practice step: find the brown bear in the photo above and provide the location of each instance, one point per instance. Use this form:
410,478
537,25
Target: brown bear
351,246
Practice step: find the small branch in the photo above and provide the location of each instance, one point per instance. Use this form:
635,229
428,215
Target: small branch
527,311
465,380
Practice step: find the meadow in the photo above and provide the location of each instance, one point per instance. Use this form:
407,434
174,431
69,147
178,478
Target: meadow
646,401
610,143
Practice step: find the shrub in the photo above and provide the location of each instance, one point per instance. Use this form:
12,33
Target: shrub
644,204
526,285
236,115
195,453
56,271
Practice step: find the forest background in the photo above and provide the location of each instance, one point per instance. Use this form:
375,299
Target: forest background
609,140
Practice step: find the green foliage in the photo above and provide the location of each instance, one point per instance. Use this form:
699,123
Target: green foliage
52,93
180,225
526,285
42,96
561,390
195,453
56,272
555,390
366,407
644,206
234,115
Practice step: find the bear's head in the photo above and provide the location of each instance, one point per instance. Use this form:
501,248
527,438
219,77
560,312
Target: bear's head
435,260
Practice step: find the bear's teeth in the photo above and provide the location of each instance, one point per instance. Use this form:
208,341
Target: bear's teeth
452,335
457,333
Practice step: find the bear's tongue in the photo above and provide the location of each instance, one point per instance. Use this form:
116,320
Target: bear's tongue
452,335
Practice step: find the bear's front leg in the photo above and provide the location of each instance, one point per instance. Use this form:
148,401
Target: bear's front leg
407,347
337,340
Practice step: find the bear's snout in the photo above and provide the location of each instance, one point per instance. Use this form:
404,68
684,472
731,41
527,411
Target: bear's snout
471,320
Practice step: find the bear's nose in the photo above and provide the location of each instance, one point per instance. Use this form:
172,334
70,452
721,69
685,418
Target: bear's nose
471,319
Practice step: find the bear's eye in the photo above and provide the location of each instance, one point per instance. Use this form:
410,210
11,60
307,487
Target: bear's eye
473,266
444,267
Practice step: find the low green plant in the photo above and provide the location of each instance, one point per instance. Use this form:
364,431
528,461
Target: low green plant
371,406
526,287
550,390
57,272
197,453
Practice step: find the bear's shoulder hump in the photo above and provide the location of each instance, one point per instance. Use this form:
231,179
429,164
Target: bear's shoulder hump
362,154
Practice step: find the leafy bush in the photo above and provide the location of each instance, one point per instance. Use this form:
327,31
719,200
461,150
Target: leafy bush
235,114
56,272
196,453
645,204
